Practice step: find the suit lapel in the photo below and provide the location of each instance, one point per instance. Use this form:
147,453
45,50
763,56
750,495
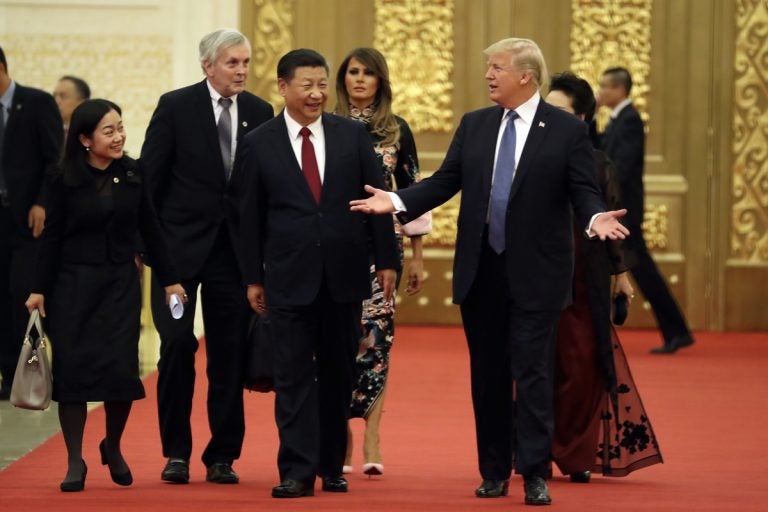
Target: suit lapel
204,109
332,150
17,106
537,134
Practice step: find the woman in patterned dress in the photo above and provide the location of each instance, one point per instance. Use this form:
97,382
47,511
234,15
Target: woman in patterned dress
364,94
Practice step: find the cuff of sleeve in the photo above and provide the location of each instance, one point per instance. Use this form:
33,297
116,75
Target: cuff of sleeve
397,202
590,234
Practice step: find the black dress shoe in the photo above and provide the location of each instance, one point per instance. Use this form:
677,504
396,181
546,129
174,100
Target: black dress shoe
674,344
492,489
75,485
221,473
335,484
176,471
119,478
581,477
536,491
292,489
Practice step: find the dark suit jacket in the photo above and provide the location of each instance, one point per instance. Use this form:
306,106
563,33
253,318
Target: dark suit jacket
32,144
291,243
556,170
182,163
624,142
79,230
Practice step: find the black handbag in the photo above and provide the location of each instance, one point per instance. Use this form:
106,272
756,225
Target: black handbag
259,370
32,385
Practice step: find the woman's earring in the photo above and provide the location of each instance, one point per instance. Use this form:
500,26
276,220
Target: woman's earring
87,148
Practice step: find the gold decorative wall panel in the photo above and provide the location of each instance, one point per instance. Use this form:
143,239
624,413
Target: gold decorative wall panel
416,36
749,234
656,226
271,37
132,71
608,33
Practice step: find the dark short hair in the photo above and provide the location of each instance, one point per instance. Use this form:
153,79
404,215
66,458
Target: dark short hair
300,58
85,118
81,86
2,59
620,76
581,93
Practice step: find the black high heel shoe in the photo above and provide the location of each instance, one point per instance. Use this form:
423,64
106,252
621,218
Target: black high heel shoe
75,485
121,478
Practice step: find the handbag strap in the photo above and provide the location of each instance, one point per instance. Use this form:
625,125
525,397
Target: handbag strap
34,321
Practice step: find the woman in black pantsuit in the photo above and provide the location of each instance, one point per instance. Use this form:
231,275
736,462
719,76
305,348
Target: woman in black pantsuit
86,277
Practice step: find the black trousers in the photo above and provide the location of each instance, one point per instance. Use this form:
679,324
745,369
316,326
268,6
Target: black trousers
509,346
314,350
17,258
225,316
650,281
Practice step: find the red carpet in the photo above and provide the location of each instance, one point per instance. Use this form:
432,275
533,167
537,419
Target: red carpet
708,405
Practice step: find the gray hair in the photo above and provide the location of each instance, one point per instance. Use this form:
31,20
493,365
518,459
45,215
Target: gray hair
526,55
212,44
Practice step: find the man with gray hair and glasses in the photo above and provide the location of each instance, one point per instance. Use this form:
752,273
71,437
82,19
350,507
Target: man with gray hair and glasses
190,157
524,168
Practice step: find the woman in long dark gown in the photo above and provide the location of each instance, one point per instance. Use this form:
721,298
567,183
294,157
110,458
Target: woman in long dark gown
88,282
600,422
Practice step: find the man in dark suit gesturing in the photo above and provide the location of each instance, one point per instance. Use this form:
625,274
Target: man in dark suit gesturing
30,141
306,257
522,167
624,142
190,159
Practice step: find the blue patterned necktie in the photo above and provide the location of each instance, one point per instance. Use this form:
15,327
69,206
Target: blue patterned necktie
502,184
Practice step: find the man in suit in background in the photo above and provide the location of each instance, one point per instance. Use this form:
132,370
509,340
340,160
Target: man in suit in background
624,142
189,157
30,142
522,168
70,91
306,261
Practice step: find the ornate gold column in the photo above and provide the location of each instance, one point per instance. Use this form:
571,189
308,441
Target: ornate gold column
608,33
749,234
269,26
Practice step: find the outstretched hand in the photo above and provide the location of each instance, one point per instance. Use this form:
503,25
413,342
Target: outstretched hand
379,202
607,225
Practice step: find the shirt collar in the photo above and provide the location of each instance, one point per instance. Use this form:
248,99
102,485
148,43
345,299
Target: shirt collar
7,98
620,107
294,127
527,110
215,94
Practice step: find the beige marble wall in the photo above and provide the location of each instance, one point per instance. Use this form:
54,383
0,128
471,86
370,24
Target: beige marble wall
129,51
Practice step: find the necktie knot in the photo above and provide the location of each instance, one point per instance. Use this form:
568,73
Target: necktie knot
305,132
225,102
511,116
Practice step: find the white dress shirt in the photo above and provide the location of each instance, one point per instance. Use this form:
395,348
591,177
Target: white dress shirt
317,138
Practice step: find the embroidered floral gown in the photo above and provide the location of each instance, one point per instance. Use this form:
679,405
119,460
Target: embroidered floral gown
399,164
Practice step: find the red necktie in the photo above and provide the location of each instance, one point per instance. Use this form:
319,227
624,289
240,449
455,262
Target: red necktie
309,164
